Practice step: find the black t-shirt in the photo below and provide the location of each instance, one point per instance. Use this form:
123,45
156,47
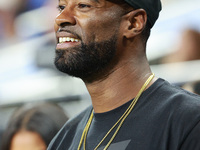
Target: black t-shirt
164,118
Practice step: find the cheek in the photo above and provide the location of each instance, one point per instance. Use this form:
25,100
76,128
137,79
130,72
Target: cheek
97,30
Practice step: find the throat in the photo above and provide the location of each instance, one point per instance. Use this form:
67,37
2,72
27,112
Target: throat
110,95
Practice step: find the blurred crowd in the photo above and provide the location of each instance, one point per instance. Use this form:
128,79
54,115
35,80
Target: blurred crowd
187,49
24,19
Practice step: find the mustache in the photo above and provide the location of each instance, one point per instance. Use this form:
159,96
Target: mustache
69,31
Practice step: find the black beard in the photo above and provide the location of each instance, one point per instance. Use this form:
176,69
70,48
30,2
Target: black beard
86,61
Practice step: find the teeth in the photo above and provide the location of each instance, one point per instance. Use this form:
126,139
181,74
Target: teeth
67,39
72,39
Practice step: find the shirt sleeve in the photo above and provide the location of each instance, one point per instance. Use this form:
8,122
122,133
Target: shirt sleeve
192,141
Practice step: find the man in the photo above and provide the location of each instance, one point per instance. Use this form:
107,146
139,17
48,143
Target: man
103,42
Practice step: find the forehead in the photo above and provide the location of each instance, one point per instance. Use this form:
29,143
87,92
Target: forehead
121,3
83,0
98,3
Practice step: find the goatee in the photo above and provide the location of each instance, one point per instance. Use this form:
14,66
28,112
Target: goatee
86,61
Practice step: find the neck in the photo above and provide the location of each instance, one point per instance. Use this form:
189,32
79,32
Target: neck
118,87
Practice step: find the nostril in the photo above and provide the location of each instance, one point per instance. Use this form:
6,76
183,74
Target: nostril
63,24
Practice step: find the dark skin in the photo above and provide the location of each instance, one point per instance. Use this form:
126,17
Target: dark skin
93,20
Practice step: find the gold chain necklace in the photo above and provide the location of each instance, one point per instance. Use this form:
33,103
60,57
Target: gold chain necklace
120,121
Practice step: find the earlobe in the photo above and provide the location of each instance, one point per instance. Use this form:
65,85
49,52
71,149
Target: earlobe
136,23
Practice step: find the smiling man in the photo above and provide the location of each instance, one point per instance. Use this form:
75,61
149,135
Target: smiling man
103,42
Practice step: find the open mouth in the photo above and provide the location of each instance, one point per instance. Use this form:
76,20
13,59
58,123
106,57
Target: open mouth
67,42
67,39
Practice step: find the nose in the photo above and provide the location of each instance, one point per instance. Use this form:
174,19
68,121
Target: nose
65,18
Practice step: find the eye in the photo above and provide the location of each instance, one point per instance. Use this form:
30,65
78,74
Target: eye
84,6
60,8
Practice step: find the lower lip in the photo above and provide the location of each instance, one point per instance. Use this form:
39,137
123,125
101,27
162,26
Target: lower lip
66,45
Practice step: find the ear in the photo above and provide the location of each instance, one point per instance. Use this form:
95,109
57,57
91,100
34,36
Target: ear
135,23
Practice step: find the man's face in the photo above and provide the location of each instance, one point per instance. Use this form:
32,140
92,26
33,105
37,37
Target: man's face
87,32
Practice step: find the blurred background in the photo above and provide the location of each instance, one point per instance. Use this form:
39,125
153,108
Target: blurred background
27,44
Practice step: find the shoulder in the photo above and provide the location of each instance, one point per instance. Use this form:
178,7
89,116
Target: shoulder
182,107
69,129
179,106
182,98
177,99
174,94
177,111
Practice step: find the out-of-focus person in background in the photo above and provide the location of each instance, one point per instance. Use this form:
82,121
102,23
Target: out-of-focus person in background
16,23
9,10
188,48
32,126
